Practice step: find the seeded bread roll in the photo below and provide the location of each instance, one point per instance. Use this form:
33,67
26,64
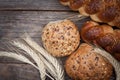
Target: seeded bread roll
60,38
86,64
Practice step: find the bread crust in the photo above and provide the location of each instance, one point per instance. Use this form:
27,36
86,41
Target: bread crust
107,11
102,35
60,38
86,64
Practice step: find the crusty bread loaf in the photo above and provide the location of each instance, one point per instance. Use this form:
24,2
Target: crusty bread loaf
103,36
86,64
107,11
60,38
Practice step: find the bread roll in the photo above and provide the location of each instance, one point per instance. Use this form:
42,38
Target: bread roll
86,64
60,38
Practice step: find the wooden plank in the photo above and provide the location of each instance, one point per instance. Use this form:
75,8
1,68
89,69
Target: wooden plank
24,72
18,72
31,5
14,24
9,60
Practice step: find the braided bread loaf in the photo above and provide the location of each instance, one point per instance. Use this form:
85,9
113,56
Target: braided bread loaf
107,11
102,35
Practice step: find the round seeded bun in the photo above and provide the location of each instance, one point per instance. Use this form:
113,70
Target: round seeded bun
60,38
85,64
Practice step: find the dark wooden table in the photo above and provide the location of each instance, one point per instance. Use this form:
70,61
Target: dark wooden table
19,16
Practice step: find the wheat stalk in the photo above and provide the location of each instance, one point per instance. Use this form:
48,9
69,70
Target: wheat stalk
53,61
49,66
75,18
113,61
33,55
11,48
17,57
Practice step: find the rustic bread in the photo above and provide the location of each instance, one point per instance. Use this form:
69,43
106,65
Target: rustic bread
86,64
60,38
102,35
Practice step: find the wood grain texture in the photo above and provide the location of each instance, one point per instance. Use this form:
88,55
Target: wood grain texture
19,16
14,24
32,5
18,72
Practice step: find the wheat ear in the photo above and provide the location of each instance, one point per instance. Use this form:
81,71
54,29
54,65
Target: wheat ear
33,55
52,60
75,18
49,66
17,57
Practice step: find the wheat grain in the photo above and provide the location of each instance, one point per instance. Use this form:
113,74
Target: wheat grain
17,57
33,55
52,60
49,66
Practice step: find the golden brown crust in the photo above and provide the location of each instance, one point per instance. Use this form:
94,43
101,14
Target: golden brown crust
93,6
106,40
85,64
85,28
102,35
107,11
94,31
76,4
108,14
60,38
116,21
116,48
117,33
